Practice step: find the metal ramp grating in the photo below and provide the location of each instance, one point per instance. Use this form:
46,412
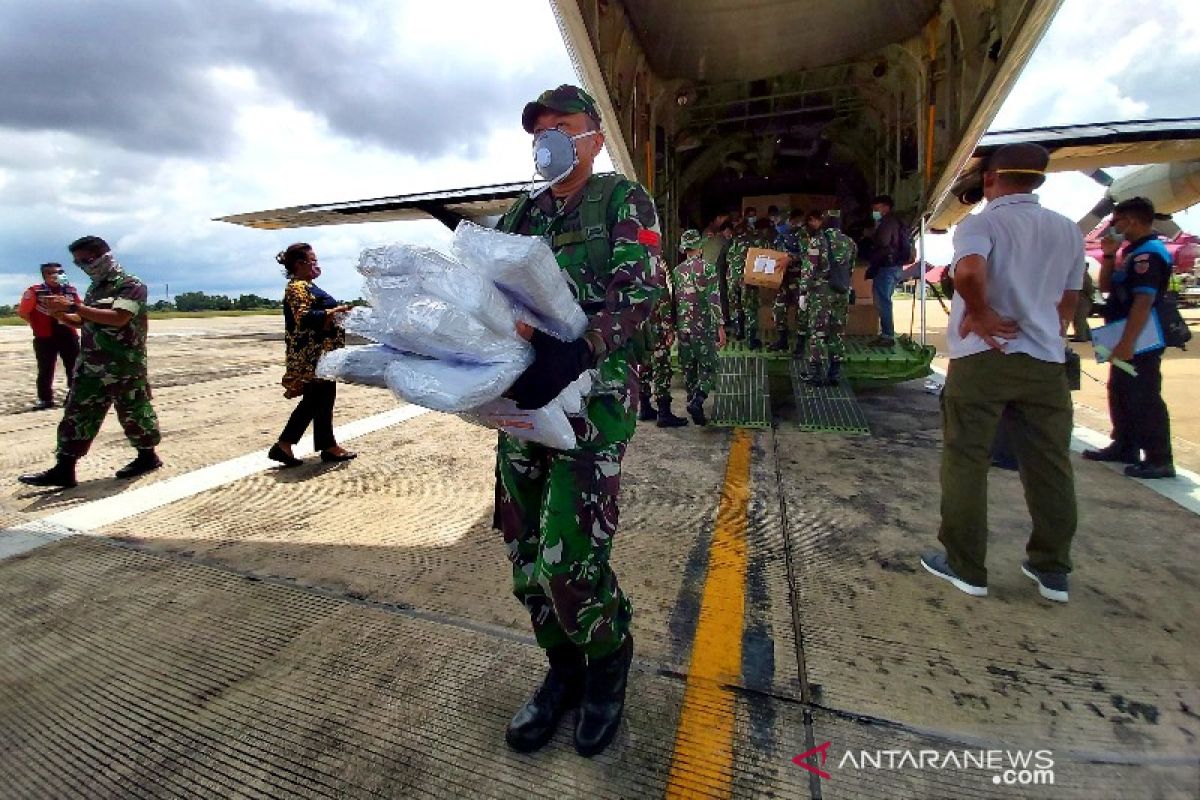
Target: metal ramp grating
827,408
742,395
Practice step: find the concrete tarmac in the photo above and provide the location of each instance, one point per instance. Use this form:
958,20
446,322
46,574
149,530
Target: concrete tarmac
347,630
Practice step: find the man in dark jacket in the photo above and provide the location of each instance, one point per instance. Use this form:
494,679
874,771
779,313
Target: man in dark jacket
889,252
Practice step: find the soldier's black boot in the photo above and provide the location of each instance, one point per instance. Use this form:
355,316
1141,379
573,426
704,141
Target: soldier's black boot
834,373
147,461
755,342
535,722
62,475
801,347
814,374
603,700
780,344
665,418
695,407
646,410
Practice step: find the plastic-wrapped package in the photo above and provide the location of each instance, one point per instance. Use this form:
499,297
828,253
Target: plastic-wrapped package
402,259
447,385
525,269
430,326
455,284
547,425
574,397
362,364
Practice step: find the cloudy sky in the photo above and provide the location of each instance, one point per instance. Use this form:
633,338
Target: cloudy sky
141,120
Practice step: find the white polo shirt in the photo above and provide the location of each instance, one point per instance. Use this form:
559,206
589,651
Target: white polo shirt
1033,256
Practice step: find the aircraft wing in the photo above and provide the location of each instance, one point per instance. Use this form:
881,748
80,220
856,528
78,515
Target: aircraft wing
1076,147
449,207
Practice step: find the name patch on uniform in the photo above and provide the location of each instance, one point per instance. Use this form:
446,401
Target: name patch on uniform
648,237
1141,264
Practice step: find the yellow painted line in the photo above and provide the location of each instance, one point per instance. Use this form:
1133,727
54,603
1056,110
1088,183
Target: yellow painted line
702,764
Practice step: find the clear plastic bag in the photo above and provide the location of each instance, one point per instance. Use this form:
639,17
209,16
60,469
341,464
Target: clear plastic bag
523,267
446,385
400,272
547,425
430,326
362,364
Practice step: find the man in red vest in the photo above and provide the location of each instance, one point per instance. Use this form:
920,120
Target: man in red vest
52,339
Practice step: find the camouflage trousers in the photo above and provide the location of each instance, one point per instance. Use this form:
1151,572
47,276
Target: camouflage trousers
787,297
826,311
698,360
654,372
87,405
557,511
749,302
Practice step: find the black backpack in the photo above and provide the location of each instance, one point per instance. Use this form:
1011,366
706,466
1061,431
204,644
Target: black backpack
1174,329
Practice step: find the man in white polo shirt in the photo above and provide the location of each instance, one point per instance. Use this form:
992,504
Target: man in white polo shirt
1017,272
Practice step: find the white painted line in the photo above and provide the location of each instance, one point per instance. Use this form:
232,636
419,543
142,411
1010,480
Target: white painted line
1183,489
105,511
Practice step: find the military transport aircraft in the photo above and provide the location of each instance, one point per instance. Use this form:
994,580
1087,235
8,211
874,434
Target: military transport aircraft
712,103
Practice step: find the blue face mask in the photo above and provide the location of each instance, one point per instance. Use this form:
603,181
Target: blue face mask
554,156
877,215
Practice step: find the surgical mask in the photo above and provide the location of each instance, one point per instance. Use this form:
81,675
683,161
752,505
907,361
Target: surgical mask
99,267
56,278
555,156
750,220
877,215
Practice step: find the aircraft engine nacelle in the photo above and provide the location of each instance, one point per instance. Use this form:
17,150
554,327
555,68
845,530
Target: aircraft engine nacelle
1171,187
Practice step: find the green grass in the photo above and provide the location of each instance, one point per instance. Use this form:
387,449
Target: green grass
177,314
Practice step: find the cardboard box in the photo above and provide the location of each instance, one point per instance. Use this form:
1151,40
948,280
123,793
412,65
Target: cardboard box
861,286
764,267
863,320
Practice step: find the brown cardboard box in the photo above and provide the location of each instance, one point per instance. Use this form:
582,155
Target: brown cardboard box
764,267
863,320
861,286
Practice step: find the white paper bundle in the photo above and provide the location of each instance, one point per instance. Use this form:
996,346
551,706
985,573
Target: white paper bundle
547,425
362,364
430,326
524,267
449,386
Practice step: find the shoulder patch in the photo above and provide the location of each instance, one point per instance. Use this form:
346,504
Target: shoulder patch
648,237
1141,263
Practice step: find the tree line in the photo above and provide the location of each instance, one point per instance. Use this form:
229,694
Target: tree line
202,301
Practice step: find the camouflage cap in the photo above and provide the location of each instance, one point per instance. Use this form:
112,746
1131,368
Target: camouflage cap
566,99
690,240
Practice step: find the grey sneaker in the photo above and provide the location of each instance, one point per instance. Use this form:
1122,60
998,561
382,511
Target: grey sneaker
1051,585
935,563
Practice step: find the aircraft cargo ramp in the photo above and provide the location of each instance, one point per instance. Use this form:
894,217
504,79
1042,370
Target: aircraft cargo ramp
226,629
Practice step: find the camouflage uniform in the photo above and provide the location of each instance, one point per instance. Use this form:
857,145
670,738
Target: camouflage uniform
699,297
796,243
752,295
827,307
111,369
735,260
557,509
654,373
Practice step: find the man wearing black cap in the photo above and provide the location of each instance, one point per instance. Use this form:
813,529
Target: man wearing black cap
1017,272
557,509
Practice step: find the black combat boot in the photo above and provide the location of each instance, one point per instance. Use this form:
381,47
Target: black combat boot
755,342
646,410
814,373
780,344
801,348
665,418
695,407
62,475
147,461
535,722
603,700
740,329
834,374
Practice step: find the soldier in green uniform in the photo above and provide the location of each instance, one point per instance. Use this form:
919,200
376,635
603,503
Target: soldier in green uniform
764,237
735,259
557,509
797,243
827,291
111,369
700,330
654,371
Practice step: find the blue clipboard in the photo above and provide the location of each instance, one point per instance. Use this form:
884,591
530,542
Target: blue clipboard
1151,337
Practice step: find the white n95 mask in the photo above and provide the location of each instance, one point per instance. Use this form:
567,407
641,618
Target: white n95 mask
554,156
